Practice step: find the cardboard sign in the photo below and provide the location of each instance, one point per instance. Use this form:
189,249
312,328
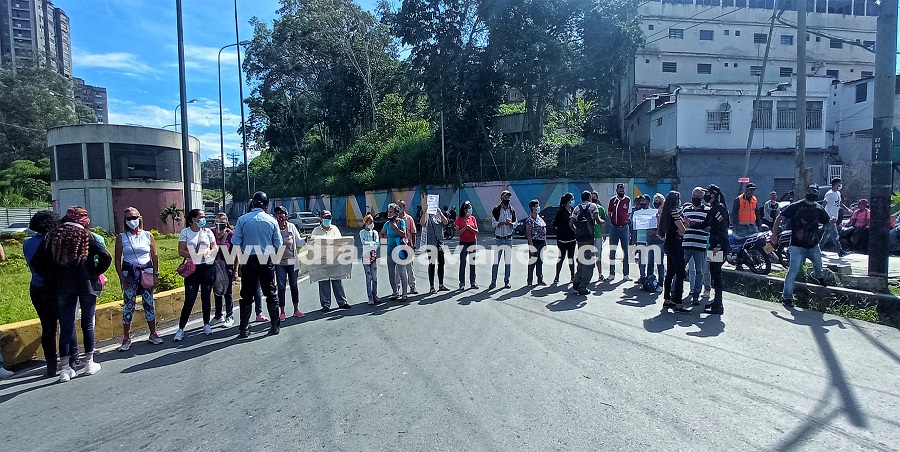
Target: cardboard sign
328,257
433,201
645,219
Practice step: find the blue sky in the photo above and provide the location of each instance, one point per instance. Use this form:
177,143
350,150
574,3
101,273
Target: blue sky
129,47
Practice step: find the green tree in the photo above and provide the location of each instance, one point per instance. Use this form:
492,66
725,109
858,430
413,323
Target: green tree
33,101
31,180
174,213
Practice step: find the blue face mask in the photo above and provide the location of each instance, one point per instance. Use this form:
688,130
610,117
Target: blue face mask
537,209
326,223
201,222
572,202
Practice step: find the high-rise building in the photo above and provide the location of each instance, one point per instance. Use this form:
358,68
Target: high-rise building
724,41
34,32
92,96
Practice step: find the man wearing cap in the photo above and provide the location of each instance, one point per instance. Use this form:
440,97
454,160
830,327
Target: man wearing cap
833,205
743,212
256,234
326,229
503,219
805,217
619,213
769,210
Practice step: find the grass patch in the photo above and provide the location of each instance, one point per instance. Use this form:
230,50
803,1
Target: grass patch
15,278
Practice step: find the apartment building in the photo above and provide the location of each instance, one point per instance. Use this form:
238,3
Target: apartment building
34,32
94,97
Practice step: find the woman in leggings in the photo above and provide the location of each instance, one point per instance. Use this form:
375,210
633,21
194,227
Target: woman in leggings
197,243
565,236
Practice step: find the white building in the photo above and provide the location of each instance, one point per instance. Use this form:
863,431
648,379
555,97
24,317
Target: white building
723,41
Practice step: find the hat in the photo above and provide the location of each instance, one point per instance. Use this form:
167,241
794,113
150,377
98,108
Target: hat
76,214
863,203
751,186
281,209
620,184
504,193
813,187
646,196
714,189
325,214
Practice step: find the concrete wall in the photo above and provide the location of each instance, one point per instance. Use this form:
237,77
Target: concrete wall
150,202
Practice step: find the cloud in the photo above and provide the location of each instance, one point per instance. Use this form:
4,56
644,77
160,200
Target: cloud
123,61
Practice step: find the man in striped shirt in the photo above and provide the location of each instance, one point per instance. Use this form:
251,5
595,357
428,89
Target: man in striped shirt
694,242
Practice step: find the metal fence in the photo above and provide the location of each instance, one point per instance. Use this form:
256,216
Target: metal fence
10,215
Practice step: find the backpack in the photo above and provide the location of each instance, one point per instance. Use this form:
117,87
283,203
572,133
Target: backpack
222,281
584,226
650,284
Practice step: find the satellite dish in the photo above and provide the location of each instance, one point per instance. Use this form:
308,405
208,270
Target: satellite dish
725,106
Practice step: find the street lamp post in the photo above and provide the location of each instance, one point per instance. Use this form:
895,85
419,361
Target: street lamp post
221,126
237,38
192,101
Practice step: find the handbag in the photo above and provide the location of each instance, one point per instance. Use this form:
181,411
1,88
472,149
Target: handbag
147,279
187,268
220,286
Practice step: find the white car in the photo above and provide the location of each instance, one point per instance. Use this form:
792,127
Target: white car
16,227
305,221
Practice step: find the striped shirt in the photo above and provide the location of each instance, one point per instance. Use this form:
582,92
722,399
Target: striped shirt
695,238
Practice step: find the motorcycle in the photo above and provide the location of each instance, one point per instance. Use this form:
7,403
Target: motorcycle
782,250
750,251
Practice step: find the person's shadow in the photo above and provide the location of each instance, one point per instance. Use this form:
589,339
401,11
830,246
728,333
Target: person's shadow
570,303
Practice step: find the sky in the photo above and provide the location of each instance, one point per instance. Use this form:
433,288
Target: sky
130,48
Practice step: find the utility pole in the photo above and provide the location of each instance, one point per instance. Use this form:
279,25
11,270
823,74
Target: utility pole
237,39
759,85
800,175
187,161
882,137
443,150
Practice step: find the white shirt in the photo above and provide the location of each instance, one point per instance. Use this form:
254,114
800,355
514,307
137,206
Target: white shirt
136,248
200,241
832,203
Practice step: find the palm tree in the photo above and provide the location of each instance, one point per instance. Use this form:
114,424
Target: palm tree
172,212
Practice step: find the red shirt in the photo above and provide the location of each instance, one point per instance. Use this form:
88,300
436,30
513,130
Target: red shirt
467,236
618,211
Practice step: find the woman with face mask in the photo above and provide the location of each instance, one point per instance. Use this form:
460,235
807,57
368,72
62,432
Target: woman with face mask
202,252
370,242
536,233
223,233
671,230
288,269
395,231
467,230
135,255
565,236
433,226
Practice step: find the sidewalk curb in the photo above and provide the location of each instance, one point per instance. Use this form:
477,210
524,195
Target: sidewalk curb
814,296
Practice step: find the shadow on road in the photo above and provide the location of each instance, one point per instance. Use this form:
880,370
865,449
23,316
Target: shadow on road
637,297
24,381
819,418
184,353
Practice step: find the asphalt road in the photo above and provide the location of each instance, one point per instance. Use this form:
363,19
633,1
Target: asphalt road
514,369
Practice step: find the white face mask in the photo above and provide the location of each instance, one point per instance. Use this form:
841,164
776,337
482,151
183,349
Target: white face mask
133,224
369,226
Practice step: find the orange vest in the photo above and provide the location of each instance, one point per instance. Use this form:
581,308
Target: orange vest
747,210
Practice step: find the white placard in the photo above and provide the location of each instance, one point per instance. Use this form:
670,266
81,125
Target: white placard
325,258
433,201
645,219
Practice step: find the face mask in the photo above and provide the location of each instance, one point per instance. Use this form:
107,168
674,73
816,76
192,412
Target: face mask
657,204
133,224
594,201
369,226
220,226
812,196
505,202
707,198
537,209
326,223
572,202
696,201
201,222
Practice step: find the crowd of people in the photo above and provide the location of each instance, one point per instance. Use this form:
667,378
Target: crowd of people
684,244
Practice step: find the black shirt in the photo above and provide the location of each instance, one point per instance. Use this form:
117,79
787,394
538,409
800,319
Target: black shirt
564,232
805,221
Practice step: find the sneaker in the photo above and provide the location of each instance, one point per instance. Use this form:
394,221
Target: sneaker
155,339
582,291
261,318
243,334
179,335
413,292
370,302
705,294
507,286
126,344
91,368
215,321
297,313
345,306
462,287
474,286
787,303
273,331
5,373
66,373
492,286
207,330
228,323
282,317
601,279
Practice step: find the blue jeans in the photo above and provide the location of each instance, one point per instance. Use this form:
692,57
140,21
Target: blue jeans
372,280
696,260
465,249
798,255
831,233
651,258
287,275
743,230
67,308
504,248
620,235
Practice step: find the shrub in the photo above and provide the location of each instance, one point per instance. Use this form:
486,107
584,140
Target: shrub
168,280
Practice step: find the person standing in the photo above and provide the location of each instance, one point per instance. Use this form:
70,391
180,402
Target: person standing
599,227
411,241
651,242
536,234
42,297
287,271
619,230
255,234
467,231
395,233
743,212
223,232
370,243
671,230
582,222
717,221
769,210
135,255
565,236
695,241
433,226
503,219
327,286
833,205
72,260
197,243
805,216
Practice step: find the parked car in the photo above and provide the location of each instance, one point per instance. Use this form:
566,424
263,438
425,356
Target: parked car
547,214
16,227
305,221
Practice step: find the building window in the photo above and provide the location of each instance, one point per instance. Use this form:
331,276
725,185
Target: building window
676,33
862,92
763,114
718,121
785,113
833,73
706,2
727,32
814,115
659,121
871,8
135,161
787,40
650,27
760,38
864,74
836,44
69,162
96,161
756,70
706,35
726,64
840,7
669,66
647,61
785,71
703,68
869,45
735,65
737,32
